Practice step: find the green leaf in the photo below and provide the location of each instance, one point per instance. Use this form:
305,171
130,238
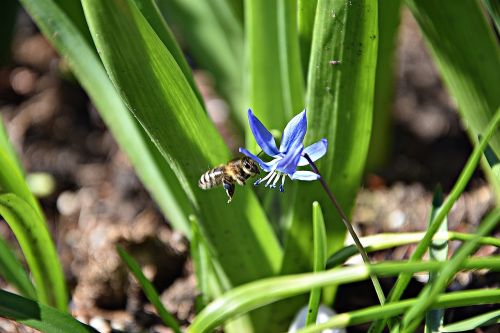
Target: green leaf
215,42
456,191
339,103
152,14
33,237
265,291
152,169
467,54
431,291
160,97
319,234
7,22
39,316
305,17
438,251
485,319
275,82
149,290
382,136
13,271
449,300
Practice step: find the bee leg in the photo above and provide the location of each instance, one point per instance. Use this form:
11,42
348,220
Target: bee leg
229,189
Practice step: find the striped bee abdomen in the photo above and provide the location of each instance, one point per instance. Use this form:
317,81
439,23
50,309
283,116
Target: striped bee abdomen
211,178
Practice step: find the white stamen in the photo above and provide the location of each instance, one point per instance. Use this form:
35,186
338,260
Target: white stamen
276,180
267,177
282,189
271,178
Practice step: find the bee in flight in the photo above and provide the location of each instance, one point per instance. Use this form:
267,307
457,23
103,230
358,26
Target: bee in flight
227,175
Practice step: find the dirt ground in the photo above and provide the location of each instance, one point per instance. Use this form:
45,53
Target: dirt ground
97,201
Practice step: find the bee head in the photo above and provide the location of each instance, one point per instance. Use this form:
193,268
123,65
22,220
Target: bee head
249,166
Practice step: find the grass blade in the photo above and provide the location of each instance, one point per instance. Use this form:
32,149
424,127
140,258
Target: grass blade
149,290
152,169
438,251
39,316
265,291
429,294
449,300
319,234
456,191
494,11
467,55
157,93
13,271
485,319
38,248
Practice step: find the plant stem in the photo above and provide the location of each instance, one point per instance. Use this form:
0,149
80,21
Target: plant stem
348,225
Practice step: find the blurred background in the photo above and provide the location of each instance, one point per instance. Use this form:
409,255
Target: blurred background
93,199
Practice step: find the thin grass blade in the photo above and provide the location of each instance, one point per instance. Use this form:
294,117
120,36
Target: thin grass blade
265,291
149,290
39,316
456,191
494,11
159,96
438,251
152,169
319,262
469,324
449,300
13,271
429,294
38,249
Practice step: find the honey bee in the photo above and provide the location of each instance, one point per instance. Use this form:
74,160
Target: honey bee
236,171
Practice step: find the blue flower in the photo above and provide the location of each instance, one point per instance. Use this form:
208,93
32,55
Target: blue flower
291,153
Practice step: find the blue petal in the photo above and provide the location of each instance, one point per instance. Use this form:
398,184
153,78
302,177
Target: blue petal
263,137
315,151
304,175
289,163
294,132
267,167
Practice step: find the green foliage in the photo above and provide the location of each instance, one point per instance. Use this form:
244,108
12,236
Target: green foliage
156,92
13,271
319,255
39,316
149,290
485,319
33,237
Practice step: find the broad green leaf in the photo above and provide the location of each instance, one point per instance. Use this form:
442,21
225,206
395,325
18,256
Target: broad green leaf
456,191
319,261
305,17
438,251
13,271
152,14
74,12
265,291
35,241
449,300
152,169
39,316
381,137
339,103
215,42
467,54
149,290
485,319
431,291
159,96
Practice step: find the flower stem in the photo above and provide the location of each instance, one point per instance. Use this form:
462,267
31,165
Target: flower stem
348,225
